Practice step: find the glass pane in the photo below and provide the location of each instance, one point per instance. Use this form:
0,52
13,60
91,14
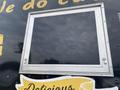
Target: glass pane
65,39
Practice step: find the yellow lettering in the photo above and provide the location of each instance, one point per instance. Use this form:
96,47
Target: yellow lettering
1,39
29,5
63,2
10,8
42,4
1,43
3,6
1,50
76,1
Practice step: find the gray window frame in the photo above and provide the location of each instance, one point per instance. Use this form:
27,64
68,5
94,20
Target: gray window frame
103,69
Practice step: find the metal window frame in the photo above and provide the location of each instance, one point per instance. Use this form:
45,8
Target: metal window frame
103,69
119,16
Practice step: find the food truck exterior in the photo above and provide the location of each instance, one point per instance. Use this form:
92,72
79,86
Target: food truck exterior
14,16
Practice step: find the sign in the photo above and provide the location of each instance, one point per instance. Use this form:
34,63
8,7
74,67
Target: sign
61,83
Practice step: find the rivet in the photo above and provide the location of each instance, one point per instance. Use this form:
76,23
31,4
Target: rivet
104,59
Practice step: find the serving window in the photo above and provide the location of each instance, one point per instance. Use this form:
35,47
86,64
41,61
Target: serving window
68,41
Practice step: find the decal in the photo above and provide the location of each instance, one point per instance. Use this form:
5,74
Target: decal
61,83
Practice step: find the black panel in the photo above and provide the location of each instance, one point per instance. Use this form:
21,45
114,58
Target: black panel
65,39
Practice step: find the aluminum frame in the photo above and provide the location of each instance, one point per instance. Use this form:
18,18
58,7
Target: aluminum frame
119,16
103,69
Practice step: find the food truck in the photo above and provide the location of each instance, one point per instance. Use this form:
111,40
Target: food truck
45,39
